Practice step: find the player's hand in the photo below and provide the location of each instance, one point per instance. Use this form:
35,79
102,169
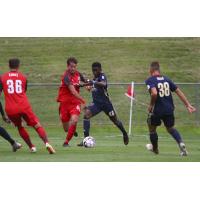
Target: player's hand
150,108
91,82
88,88
191,109
83,105
6,119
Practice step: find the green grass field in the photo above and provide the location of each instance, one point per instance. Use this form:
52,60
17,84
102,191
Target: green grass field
109,147
124,60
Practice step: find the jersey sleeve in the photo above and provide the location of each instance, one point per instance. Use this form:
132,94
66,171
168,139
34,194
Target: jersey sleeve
103,78
67,80
173,86
150,84
1,86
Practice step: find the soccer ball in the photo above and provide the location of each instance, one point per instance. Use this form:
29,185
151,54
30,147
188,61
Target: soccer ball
89,142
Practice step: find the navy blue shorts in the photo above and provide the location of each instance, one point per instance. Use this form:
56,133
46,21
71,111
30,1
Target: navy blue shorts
156,120
107,108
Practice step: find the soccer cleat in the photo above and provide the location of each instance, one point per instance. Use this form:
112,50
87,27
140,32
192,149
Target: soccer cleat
33,149
80,144
150,148
75,134
66,145
50,149
183,149
16,146
126,139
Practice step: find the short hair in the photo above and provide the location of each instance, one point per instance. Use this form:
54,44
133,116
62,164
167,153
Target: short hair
96,64
72,60
155,66
14,63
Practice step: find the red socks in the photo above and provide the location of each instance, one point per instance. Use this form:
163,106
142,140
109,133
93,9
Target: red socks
41,132
70,133
24,134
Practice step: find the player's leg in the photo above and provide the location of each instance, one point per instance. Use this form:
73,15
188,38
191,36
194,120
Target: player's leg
43,135
86,121
32,120
66,127
169,122
71,128
110,112
25,136
113,117
15,145
89,112
153,121
17,121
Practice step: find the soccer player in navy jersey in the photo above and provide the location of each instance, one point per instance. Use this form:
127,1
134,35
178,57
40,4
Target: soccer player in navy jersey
161,107
101,102
4,134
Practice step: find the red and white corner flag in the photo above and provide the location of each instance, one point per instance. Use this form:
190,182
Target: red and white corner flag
130,91
130,94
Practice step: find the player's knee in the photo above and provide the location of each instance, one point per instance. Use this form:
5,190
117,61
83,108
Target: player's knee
116,122
170,129
152,129
19,128
74,121
87,114
38,125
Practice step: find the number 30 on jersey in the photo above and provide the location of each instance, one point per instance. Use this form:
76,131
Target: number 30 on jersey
164,89
14,86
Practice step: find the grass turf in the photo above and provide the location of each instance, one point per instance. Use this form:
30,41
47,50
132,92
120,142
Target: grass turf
109,147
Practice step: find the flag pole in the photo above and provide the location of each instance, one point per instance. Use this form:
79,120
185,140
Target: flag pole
131,109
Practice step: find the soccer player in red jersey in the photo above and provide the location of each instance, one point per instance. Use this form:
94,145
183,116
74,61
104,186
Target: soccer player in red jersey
17,106
69,98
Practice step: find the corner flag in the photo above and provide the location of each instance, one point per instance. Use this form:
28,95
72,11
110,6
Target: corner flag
130,94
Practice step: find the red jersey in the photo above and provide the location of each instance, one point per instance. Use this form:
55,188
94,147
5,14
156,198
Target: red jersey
65,94
14,85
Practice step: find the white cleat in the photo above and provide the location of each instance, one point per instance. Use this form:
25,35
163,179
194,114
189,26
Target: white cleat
183,149
33,149
50,149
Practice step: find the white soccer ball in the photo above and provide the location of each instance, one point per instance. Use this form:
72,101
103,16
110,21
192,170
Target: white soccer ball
149,147
89,142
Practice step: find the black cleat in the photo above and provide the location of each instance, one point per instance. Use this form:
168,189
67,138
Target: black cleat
66,145
16,146
75,134
126,139
80,144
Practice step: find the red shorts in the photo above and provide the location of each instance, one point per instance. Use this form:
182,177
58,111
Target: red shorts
66,110
28,115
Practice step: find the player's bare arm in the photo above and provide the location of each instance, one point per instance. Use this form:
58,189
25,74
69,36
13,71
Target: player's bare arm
100,84
154,94
76,94
184,99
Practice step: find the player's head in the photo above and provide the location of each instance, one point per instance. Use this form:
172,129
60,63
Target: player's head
72,64
154,68
96,68
14,63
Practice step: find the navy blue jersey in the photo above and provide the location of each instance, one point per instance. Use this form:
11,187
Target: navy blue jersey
164,103
100,94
